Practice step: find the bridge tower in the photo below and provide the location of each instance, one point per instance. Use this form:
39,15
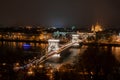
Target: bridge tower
75,38
53,45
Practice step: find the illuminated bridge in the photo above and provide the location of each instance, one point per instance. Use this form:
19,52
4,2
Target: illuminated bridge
53,51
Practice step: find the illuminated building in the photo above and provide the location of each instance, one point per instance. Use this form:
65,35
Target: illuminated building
96,28
118,38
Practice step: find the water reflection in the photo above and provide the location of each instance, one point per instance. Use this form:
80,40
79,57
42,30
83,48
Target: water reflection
16,52
83,63
116,52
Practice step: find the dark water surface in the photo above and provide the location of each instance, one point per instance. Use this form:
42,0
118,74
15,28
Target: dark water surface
90,63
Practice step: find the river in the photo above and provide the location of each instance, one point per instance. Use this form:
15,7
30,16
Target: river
81,63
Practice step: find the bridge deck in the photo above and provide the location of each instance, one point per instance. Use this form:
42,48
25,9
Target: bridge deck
47,56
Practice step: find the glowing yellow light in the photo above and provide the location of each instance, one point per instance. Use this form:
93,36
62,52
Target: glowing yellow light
40,66
30,72
33,66
51,71
17,64
96,28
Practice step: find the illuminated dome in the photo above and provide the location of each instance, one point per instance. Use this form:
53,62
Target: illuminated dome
96,28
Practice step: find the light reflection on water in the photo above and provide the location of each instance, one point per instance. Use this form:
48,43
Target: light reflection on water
116,52
20,44
89,60
15,51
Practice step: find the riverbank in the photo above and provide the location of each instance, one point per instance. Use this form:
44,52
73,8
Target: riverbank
64,41
102,44
29,41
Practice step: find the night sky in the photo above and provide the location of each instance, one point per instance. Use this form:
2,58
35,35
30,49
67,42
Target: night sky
60,13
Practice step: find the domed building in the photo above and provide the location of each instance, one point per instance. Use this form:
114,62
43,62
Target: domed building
96,28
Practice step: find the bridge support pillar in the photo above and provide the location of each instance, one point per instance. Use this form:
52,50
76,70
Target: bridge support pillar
75,38
53,45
